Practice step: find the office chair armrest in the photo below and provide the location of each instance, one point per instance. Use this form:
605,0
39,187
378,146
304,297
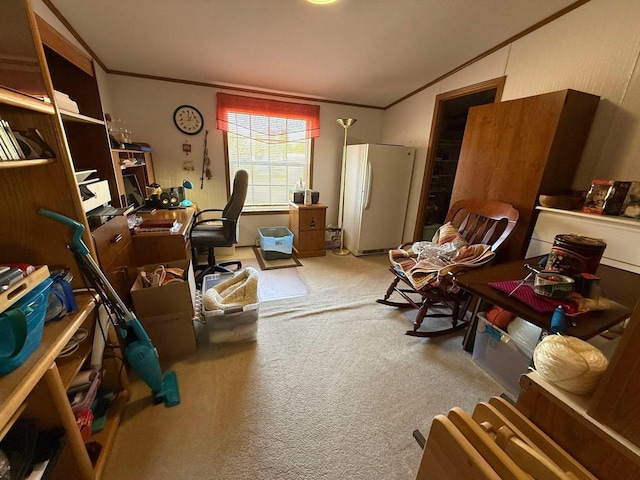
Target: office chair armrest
207,210
223,220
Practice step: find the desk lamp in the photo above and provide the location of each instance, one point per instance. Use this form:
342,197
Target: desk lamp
187,185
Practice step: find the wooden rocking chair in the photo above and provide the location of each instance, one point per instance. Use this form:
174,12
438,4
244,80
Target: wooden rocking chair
479,221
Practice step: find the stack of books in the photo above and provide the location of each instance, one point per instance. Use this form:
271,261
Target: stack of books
155,225
25,144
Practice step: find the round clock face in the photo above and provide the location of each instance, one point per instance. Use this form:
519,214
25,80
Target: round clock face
188,119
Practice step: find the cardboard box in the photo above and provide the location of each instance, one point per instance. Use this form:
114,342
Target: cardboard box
166,312
173,335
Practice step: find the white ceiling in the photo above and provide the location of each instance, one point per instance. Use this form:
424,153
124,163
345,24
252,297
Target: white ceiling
368,52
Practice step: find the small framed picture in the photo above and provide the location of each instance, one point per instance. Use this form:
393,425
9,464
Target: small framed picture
631,205
614,201
595,200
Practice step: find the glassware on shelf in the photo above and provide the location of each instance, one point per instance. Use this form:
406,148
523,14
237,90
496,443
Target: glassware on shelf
117,127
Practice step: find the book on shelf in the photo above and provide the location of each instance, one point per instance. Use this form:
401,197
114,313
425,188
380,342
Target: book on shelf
26,144
10,148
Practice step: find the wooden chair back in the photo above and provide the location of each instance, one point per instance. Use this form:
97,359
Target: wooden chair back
483,221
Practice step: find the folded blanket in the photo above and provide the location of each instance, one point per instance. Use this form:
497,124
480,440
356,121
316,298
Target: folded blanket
238,291
424,263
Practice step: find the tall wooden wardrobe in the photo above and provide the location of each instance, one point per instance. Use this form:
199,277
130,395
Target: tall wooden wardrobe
514,151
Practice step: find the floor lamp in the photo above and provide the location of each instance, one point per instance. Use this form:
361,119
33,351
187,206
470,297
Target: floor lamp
345,123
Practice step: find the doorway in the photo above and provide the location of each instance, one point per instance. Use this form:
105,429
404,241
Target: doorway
447,130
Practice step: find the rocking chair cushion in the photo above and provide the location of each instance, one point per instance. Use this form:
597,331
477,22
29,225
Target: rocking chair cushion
424,263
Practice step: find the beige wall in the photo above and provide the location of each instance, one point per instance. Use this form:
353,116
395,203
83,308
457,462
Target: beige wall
595,48
148,105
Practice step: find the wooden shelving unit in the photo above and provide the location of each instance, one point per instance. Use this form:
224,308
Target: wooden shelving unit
78,117
37,388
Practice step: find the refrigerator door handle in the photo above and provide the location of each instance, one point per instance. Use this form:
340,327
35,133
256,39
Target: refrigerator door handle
367,187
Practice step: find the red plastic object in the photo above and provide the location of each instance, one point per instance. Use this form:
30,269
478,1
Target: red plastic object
84,420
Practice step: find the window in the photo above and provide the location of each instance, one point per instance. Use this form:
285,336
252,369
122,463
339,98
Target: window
272,141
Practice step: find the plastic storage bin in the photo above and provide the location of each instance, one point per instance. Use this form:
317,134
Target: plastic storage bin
233,324
275,242
500,355
34,306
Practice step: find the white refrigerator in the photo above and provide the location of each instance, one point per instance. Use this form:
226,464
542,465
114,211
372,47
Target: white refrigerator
377,182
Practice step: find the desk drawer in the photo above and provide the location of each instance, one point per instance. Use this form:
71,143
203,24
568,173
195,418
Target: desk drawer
111,238
310,241
312,219
122,271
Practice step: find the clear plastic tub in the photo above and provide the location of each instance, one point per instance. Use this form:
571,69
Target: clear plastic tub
500,355
275,242
232,324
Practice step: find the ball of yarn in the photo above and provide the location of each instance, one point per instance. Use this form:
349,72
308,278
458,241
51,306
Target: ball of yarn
500,317
570,363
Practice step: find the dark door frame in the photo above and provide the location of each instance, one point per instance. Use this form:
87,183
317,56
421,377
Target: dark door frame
438,109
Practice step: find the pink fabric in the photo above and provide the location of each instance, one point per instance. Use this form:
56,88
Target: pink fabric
525,294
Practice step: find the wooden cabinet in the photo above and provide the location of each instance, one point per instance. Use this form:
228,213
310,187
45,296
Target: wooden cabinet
115,254
307,223
516,150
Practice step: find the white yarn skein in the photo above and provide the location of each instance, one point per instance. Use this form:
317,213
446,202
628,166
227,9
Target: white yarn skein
570,363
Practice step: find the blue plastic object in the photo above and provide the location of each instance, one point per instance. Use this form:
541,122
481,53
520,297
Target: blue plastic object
34,306
558,321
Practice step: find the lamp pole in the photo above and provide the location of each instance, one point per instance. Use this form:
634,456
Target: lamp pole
345,123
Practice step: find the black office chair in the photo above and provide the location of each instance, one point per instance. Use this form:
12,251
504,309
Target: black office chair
220,229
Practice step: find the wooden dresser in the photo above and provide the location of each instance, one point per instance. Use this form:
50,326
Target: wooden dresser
307,223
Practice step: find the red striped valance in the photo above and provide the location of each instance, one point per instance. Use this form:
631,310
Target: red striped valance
237,104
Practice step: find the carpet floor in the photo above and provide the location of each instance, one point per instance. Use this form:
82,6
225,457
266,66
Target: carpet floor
331,389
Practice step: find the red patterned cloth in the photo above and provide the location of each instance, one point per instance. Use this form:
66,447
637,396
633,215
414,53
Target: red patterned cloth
525,294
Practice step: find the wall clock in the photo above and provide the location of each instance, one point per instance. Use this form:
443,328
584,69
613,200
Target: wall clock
188,119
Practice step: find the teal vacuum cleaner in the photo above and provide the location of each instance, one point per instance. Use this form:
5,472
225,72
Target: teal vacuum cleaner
138,349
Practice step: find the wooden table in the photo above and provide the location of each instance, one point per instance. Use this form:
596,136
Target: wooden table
158,247
618,285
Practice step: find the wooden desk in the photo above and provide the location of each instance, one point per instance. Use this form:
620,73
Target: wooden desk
618,285
158,247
